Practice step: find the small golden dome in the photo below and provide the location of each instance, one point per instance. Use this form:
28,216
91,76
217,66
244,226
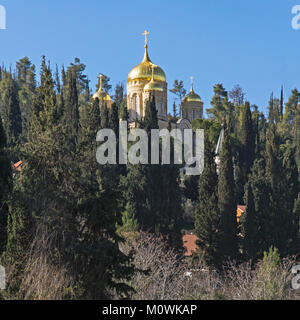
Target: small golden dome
192,96
153,85
101,94
144,69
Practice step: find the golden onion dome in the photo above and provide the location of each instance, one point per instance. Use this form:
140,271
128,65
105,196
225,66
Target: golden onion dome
153,85
101,94
192,96
144,70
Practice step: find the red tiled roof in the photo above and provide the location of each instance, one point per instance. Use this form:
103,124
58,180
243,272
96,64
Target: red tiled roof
239,211
189,242
241,207
18,166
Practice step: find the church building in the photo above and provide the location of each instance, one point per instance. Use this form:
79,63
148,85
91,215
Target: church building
149,79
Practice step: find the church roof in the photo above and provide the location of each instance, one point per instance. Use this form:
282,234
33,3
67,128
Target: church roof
101,94
153,85
192,96
144,69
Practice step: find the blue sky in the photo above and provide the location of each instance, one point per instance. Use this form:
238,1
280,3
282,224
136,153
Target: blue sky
248,42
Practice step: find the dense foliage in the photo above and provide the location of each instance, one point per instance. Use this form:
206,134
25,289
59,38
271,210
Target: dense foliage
91,226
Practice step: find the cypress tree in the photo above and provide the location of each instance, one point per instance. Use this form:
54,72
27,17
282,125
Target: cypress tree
59,195
281,103
11,112
123,113
150,120
207,215
71,110
255,222
296,216
217,111
26,91
104,116
119,94
153,190
247,150
114,119
251,226
280,179
5,188
227,202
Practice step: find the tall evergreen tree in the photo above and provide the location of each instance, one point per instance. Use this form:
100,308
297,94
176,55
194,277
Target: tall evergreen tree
179,90
247,150
207,216
119,94
5,188
280,224
255,221
156,198
11,113
26,91
71,110
251,226
217,110
104,116
227,202
281,103
123,112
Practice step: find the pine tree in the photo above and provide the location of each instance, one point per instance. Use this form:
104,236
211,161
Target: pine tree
119,94
217,110
180,92
227,202
129,222
174,110
207,216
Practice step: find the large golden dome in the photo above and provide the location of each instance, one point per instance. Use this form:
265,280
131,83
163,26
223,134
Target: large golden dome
144,70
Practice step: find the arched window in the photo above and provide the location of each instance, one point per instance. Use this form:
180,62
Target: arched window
135,106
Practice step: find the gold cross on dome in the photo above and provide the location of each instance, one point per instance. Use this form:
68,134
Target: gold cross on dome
146,33
192,82
100,80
